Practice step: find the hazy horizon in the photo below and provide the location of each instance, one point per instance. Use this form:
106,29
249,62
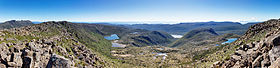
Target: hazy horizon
138,22
139,10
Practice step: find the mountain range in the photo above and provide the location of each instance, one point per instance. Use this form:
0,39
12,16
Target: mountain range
182,28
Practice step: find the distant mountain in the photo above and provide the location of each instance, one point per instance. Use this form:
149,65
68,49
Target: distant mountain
200,37
15,23
182,28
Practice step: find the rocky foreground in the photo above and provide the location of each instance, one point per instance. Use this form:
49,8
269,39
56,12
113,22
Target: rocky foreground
67,45
45,45
259,47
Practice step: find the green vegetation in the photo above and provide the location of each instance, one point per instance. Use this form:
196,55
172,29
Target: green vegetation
197,35
195,49
13,38
90,39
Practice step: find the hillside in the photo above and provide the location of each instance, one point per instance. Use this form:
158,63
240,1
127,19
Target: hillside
48,44
65,44
201,37
54,44
14,24
132,37
148,38
182,28
259,47
195,36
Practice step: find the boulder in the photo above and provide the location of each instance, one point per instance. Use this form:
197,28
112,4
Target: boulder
274,53
27,62
236,57
240,52
257,62
275,64
2,65
57,61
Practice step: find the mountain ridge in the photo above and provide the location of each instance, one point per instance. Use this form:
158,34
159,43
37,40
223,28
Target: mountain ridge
15,23
182,28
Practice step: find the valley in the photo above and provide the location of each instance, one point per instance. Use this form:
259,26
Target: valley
139,34
105,46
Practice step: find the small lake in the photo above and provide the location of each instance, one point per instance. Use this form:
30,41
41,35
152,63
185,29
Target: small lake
176,36
230,40
117,45
112,37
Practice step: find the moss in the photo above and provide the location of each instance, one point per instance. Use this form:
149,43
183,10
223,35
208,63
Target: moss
11,46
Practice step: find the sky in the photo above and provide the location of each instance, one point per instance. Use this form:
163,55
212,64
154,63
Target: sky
168,11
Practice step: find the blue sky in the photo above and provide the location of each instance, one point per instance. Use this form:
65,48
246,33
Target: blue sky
139,10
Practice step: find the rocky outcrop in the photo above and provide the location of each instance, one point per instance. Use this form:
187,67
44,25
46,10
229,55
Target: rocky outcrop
259,47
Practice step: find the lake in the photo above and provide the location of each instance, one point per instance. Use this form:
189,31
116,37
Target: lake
112,37
176,36
230,40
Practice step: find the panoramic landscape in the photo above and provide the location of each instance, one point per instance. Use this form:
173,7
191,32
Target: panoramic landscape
139,34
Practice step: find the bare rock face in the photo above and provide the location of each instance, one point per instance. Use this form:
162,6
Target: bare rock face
275,64
274,53
57,61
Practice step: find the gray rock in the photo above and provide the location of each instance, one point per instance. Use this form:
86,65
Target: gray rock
48,42
17,59
275,64
2,65
265,63
236,57
257,62
274,53
57,61
240,52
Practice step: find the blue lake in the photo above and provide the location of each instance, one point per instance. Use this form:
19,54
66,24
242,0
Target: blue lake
230,40
112,37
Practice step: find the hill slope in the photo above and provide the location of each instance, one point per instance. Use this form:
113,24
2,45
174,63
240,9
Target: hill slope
259,47
133,37
201,37
54,44
65,44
